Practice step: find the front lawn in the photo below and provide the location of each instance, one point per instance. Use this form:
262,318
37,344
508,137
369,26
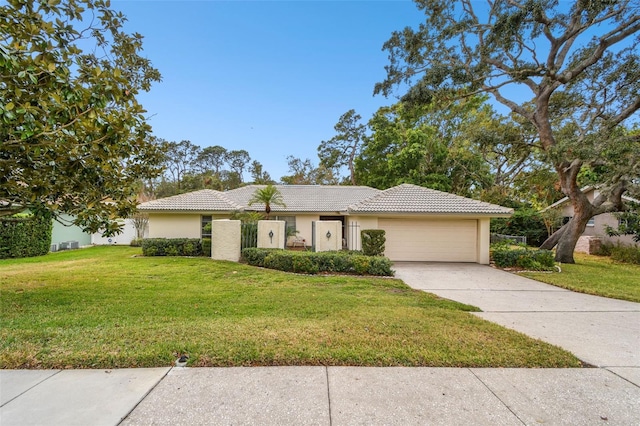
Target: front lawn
597,275
107,307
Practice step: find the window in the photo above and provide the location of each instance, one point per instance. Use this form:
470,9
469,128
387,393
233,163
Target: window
592,222
290,223
205,233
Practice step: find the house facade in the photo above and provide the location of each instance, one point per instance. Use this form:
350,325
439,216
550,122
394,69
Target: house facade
421,224
597,225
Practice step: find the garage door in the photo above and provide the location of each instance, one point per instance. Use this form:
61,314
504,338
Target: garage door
430,240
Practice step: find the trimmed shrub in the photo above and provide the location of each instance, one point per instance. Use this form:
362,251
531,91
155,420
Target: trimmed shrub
536,260
25,236
171,247
373,241
206,247
313,263
621,253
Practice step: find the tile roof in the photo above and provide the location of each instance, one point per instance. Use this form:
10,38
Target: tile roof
407,198
203,200
306,198
404,198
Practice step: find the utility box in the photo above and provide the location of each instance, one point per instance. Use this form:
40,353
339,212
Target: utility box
327,235
272,234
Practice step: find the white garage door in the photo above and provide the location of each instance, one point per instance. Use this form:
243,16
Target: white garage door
430,240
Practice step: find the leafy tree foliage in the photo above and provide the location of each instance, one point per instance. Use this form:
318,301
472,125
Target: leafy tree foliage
342,149
258,175
73,135
303,172
424,145
576,65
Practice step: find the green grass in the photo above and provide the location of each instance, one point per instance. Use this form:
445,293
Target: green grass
596,275
107,307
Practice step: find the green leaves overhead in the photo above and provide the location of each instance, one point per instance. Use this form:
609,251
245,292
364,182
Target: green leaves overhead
74,137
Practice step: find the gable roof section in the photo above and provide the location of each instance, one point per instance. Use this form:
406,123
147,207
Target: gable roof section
407,198
306,198
585,190
203,200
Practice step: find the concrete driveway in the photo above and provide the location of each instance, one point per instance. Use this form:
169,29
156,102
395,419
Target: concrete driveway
600,331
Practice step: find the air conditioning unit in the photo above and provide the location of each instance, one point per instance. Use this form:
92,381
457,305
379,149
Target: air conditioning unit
74,244
64,245
54,247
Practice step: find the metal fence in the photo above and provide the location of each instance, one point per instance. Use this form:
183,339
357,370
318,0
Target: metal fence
515,238
249,235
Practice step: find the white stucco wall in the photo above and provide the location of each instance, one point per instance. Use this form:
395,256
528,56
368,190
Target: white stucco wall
303,225
124,238
277,227
162,225
334,242
225,237
483,240
354,237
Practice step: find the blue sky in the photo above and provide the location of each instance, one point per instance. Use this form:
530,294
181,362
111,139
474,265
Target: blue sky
270,77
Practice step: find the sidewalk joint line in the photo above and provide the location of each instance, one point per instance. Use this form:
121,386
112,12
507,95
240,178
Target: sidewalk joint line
145,396
326,373
497,397
27,390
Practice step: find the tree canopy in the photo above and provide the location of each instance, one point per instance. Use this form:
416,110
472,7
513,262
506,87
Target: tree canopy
569,69
73,135
269,196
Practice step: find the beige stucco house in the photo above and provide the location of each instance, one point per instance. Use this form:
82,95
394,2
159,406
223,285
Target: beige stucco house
597,225
421,224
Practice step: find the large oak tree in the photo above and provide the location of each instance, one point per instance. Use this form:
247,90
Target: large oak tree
73,135
571,69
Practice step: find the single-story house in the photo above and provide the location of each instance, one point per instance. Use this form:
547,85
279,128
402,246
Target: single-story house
597,225
421,224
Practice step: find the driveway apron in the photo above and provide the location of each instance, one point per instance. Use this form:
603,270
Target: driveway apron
600,331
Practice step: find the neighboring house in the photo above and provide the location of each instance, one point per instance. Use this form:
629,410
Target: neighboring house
421,224
597,225
65,235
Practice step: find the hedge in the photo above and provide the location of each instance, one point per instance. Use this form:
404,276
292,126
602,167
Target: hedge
172,247
313,263
26,236
373,241
535,260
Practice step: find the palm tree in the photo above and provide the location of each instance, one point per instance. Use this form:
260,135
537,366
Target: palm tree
269,195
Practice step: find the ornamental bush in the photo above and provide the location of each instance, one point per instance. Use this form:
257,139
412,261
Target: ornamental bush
25,235
535,260
172,247
313,263
373,241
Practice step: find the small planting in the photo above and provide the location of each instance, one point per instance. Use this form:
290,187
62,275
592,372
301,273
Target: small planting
312,263
506,256
373,241
172,247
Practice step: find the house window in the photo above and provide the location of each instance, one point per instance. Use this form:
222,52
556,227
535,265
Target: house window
592,222
290,223
205,233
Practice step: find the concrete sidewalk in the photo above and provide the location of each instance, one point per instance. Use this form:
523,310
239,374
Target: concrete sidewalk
318,396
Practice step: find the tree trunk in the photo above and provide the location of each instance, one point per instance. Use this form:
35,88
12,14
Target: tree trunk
569,238
553,239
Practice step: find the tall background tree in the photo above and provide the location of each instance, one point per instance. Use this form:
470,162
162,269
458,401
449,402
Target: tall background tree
73,135
571,69
342,149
